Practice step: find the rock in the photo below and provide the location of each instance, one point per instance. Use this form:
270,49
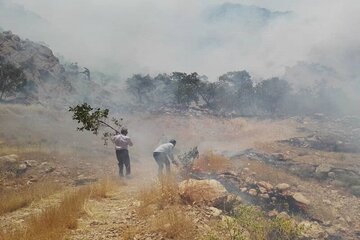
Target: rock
322,170
265,185
12,158
313,230
21,168
50,169
31,163
252,192
266,196
262,190
282,187
284,215
273,213
208,192
215,212
298,197
243,189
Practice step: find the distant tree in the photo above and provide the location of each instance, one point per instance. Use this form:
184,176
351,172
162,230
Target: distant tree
271,93
140,86
12,80
165,86
187,88
237,79
210,92
239,90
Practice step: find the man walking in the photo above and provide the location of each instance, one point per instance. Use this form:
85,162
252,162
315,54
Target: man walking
122,154
163,154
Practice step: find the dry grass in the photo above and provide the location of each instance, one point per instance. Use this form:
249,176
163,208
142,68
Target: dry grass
53,221
16,199
174,224
211,162
162,193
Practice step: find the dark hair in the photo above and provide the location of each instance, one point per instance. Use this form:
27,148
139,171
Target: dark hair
124,131
173,141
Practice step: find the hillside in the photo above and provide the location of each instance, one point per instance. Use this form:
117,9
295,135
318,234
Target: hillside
49,81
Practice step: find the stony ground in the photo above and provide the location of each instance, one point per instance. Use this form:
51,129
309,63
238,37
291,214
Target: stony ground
314,172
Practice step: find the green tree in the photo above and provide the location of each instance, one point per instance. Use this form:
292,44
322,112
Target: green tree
270,94
140,86
12,80
187,88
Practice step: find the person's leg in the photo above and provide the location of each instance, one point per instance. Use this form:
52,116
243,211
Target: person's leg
159,161
120,163
126,158
167,164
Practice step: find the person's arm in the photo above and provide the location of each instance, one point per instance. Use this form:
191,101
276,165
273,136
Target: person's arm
171,156
113,139
130,142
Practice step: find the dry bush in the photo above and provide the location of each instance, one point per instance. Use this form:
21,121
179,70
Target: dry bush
16,199
53,221
174,224
211,162
162,193
102,188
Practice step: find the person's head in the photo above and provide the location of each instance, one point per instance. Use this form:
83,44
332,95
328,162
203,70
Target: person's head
124,131
173,142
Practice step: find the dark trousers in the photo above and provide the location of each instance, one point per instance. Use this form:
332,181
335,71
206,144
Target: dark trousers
123,160
162,159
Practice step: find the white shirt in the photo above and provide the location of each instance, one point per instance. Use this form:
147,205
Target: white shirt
122,141
167,148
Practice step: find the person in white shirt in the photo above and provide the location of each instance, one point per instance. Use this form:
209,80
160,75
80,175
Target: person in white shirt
122,154
163,154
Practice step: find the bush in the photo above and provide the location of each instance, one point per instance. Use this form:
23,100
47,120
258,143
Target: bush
248,222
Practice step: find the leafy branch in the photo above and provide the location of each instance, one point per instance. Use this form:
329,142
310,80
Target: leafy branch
92,119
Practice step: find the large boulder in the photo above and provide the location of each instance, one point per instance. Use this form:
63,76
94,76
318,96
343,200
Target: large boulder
205,192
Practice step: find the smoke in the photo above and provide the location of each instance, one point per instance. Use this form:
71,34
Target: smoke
263,37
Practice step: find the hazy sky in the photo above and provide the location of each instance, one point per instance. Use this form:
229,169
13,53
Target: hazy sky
153,36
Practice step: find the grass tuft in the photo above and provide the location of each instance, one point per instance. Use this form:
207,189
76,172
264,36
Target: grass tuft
162,193
211,162
16,199
173,224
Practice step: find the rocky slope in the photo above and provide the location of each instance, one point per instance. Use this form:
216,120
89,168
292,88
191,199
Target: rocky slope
49,81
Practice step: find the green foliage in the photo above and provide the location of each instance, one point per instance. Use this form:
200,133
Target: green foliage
271,93
140,86
12,79
248,222
90,120
93,119
187,88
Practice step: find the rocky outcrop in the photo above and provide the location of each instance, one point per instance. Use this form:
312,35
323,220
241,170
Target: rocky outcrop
207,192
46,76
